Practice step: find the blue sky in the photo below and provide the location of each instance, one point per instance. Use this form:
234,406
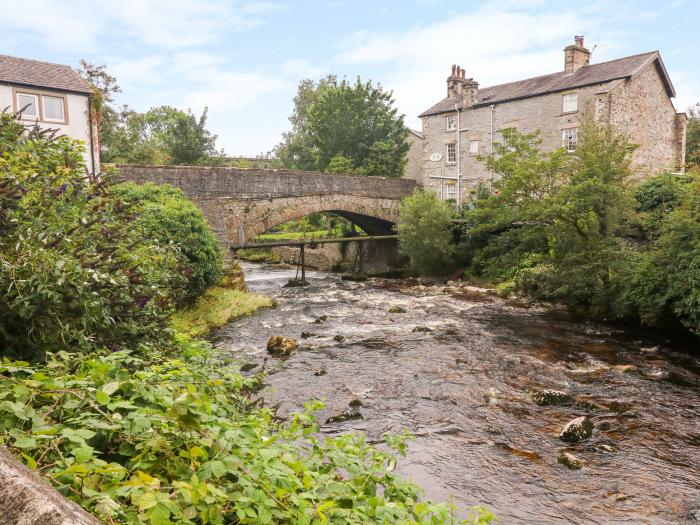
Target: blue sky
243,59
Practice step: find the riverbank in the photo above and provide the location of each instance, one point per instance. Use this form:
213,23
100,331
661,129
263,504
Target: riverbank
219,305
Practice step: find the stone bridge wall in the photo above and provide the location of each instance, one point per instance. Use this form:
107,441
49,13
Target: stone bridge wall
242,203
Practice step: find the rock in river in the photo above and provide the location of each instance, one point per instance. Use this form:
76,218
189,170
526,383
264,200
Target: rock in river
569,460
393,309
578,429
551,397
423,329
280,346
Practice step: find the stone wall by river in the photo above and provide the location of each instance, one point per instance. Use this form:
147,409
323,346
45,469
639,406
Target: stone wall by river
458,368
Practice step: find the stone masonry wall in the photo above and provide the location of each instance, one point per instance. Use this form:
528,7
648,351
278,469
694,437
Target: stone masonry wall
242,203
543,113
641,108
414,161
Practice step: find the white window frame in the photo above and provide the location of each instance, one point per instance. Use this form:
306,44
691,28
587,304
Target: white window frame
450,122
453,146
569,103
37,115
473,147
62,120
569,139
449,190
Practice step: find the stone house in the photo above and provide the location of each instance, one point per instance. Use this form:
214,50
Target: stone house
51,96
633,94
414,157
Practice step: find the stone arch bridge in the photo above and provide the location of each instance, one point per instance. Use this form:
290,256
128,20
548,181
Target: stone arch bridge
242,203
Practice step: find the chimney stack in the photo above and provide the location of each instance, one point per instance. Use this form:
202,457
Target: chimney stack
576,56
458,85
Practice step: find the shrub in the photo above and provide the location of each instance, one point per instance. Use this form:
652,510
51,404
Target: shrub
425,232
177,439
169,218
73,274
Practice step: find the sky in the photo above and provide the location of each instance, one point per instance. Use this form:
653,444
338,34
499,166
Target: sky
244,58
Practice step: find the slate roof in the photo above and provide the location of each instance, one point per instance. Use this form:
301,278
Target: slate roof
536,86
417,133
43,75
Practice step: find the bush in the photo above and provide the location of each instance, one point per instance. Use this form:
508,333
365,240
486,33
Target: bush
169,218
425,233
73,273
177,439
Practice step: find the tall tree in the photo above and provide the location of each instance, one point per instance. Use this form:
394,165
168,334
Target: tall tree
342,119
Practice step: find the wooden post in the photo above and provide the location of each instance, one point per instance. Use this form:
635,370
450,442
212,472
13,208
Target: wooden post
303,268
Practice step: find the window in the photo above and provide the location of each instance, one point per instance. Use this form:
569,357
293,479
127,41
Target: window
451,153
28,104
570,103
53,108
450,123
450,191
569,137
473,147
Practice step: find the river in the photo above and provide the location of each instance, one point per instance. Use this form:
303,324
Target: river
464,390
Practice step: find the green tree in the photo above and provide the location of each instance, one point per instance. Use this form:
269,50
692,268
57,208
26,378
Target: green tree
425,233
167,217
356,121
340,164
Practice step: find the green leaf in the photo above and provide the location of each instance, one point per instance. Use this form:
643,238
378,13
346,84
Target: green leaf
83,454
102,397
25,442
110,388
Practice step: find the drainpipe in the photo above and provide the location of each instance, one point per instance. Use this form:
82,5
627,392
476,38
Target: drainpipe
92,137
459,162
493,108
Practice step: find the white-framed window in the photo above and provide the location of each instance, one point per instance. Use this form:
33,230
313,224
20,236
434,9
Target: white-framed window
28,104
451,153
449,191
569,139
473,147
450,122
570,103
54,110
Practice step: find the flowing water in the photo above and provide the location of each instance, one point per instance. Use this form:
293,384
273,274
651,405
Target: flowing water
463,389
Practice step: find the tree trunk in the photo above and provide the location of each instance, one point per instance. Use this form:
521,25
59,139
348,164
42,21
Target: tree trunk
26,499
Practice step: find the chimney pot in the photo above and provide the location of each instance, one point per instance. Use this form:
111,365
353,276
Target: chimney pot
579,40
464,73
454,68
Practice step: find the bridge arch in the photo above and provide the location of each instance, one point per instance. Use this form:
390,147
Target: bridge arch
242,203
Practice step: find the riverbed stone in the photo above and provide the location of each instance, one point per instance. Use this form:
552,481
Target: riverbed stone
354,277
347,415
549,397
281,346
569,460
577,430
394,309
606,448
320,319
423,329
355,403
339,338
306,335
320,372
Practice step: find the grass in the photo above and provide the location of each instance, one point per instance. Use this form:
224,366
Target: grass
291,236
220,304
258,255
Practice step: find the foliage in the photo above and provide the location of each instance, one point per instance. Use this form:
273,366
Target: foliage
356,121
166,216
425,232
73,273
219,305
162,135
177,439
340,164
692,146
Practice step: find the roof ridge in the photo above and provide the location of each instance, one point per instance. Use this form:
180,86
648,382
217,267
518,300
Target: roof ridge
562,72
36,61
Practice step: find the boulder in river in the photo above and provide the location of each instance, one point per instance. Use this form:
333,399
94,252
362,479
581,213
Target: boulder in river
569,460
306,335
576,430
355,403
348,415
281,346
320,372
339,338
320,319
355,277
394,309
423,329
551,397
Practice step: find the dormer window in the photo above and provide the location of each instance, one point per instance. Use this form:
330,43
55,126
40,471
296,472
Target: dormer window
570,103
450,122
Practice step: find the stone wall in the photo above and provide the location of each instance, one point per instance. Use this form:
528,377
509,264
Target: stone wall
543,113
242,203
640,107
414,160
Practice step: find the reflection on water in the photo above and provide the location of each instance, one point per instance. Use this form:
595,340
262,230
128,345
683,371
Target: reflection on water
463,389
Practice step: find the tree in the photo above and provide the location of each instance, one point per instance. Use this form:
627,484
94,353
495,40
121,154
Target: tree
692,143
340,164
425,232
356,121
101,103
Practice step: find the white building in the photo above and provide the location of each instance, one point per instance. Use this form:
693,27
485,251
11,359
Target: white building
52,96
